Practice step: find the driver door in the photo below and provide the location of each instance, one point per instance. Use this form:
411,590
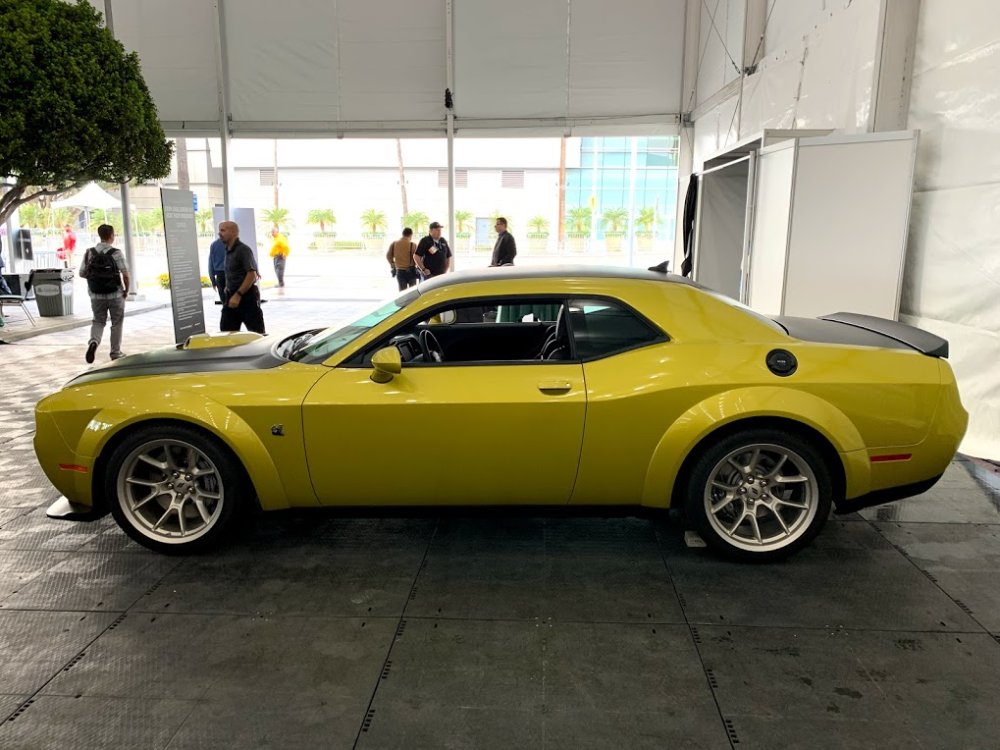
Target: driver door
447,434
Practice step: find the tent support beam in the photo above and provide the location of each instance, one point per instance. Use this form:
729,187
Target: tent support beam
450,117
109,23
222,79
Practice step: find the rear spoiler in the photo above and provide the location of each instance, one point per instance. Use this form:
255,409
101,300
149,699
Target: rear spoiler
915,338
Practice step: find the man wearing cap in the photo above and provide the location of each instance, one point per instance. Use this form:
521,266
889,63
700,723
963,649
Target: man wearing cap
433,256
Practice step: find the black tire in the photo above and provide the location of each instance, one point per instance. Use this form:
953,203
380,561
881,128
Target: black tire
765,513
185,511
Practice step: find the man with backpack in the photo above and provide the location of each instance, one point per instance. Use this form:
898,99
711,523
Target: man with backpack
107,281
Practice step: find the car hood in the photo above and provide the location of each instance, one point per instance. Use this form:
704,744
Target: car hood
201,353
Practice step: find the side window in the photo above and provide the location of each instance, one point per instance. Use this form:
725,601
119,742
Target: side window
487,330
601,327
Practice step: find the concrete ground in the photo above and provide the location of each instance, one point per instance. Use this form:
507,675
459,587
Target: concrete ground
472,630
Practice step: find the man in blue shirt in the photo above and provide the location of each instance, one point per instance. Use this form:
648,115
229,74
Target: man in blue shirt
217,268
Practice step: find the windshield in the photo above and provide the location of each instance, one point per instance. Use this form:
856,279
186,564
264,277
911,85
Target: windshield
332,340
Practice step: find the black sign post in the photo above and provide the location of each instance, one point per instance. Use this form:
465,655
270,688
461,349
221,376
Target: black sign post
181,236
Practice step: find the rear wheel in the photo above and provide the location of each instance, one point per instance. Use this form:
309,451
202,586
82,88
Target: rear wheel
759,494
174,489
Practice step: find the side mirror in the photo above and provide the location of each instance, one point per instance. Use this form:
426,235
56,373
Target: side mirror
387,363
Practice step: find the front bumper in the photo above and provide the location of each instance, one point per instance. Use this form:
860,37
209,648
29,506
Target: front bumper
888,495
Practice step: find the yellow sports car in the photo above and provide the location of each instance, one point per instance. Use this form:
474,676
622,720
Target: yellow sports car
564,386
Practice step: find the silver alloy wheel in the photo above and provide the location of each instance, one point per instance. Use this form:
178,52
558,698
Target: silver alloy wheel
761,497
170,491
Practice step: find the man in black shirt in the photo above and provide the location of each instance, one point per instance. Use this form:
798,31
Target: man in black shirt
505,248
433,256
242,295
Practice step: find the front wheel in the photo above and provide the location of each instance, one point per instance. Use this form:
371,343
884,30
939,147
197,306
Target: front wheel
174,489
759,494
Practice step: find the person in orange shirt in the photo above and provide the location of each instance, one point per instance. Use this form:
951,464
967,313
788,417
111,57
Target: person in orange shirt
279,251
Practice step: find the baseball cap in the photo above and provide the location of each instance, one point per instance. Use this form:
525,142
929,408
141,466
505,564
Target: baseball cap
434,225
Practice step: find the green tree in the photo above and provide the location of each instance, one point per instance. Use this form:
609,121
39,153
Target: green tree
646,219
538,224
277,218
321,216
417,221
373,220
615,219
149,221
82,112
204,219
32,215
579,219
461,217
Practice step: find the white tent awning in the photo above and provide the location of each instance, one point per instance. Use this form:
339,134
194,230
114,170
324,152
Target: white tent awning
90,196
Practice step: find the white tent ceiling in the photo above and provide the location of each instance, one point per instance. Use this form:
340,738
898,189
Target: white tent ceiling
364,67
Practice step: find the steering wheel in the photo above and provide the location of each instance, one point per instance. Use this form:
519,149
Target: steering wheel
433,352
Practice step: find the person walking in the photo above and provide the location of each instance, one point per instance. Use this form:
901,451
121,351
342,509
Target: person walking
108,282
242,306
400,257
65,254
433,256
279,252
217,267
505,248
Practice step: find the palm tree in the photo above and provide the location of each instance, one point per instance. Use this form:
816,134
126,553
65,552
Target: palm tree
31,215
614,220
373,219
204,219
538,224
579,219
460,218
646,219
321,216
417,221
276,217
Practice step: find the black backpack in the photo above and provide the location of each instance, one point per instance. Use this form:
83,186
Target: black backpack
102,272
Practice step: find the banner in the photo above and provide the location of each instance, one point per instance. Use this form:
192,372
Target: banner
181,236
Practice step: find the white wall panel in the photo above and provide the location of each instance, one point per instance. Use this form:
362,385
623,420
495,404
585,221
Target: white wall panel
792,20
176,42
838,70
770,95
721,38
953,277
282,65
625,58
517,48
392,65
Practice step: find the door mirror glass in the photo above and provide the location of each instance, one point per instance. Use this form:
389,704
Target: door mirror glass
387,363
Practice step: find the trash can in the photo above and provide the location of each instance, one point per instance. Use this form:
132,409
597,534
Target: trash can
53,291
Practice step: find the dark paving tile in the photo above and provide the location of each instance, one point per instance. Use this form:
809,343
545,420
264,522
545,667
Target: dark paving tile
603,587
958,497
9,704
20,567
198,657
494,684
34,531
963,559
94,581
605,570
306,722
848,577
94,724
35,645
360,569
792,688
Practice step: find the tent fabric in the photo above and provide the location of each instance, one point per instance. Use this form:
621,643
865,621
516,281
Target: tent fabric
90,196
346,66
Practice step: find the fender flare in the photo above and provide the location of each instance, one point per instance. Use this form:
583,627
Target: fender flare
730,407
206,415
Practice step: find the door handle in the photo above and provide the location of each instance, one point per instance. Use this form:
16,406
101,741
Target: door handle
554,386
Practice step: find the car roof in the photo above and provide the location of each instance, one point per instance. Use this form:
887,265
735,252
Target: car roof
562,272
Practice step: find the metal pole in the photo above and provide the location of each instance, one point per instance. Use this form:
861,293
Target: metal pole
222,83
631,197
109,23
593,194
450,79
